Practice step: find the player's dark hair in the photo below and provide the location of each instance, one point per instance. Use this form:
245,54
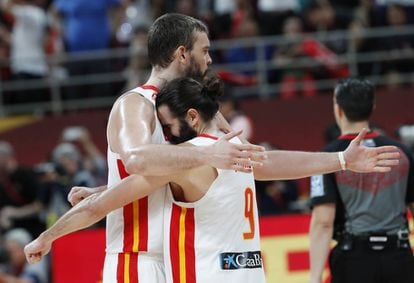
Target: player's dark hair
356,97
184,93
169,32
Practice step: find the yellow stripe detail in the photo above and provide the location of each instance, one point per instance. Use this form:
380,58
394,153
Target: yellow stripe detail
135,211
126,268
181,245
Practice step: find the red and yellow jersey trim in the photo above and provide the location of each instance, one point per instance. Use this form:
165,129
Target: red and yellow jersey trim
135,220
182,250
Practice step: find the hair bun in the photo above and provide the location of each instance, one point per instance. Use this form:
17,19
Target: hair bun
213,87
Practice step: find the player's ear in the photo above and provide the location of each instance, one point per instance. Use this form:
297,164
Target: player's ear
180,54
193,117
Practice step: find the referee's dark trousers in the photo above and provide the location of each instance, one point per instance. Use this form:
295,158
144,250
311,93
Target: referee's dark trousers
358,260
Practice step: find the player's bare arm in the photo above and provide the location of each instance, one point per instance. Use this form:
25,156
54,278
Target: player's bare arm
98,205
92,209
131,138
130,124
145,160
77,194
357,157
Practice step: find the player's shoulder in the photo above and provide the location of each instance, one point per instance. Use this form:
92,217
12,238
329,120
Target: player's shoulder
132,98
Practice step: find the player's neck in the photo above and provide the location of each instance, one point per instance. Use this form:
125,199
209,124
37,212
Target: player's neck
209,128
160,76
353,127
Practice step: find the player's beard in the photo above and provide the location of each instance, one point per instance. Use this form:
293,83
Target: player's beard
194,71
186,133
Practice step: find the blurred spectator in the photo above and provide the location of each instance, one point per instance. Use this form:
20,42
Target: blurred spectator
28,60
53,193
272,14
321,17
366,13
138,66
247,28
69,165
19,191
379,10
17,269
276,197
222,11
67,171
27,45
243,19
76,161
138,14
5,34
237,53
399,46
85,26
344,10
361,45
230,109
92,158
283,56
226,16
186,7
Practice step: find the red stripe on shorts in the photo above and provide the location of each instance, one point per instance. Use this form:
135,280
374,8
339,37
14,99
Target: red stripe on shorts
120,268
189,246
174,248
133,268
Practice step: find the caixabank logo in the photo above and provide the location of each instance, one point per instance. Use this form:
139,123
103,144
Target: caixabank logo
231,261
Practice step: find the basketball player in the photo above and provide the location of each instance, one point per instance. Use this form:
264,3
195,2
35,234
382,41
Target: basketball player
178,45
211,215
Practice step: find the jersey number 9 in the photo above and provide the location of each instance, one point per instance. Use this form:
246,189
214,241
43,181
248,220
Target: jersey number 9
249,213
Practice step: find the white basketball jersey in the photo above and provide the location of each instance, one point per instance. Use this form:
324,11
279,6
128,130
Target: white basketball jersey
138,226
215,239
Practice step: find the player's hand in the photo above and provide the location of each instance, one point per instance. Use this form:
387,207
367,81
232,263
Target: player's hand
37,249
239,157
77,194
360,158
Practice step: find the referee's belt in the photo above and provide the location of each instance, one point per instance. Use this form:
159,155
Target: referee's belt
376,241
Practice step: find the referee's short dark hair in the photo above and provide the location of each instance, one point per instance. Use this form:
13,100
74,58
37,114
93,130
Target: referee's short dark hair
356,97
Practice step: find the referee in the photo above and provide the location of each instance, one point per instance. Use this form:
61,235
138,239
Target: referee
365,213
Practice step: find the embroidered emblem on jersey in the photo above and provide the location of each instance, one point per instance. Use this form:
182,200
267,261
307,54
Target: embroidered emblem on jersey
317,186
230,261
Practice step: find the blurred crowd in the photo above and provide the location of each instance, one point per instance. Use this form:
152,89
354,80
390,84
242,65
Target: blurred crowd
32,199
33,29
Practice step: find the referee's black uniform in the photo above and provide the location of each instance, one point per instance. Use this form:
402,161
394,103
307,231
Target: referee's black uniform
370,222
